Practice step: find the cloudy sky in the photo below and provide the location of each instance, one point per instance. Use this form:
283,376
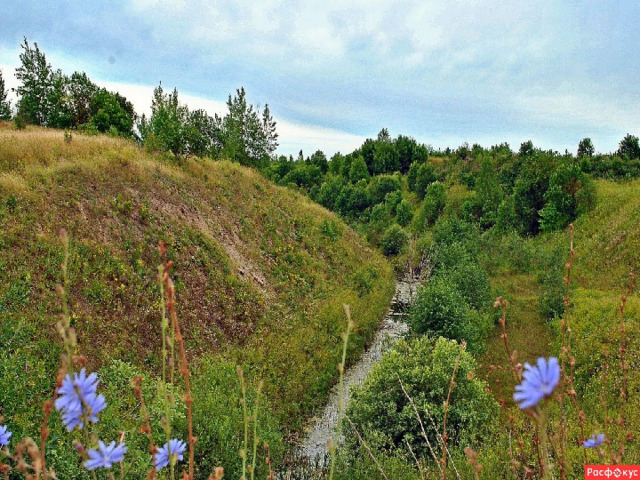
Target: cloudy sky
335,72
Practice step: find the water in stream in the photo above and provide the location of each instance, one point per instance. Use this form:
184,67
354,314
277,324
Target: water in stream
322,427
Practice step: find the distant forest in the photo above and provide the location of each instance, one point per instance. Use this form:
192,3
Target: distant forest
530,190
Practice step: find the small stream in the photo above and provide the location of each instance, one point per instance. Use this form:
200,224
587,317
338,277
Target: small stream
322,427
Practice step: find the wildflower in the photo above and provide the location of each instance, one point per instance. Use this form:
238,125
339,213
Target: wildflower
78,400
538,382
105,456
177,449
594,441
4,436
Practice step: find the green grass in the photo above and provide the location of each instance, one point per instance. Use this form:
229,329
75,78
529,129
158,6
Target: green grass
606,245
259,282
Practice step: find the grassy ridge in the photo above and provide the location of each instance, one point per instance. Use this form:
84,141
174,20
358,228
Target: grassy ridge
261,272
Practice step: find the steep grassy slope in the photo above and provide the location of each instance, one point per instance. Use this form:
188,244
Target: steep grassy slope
606,244
261,272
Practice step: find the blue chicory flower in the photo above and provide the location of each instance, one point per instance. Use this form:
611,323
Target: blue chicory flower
105,456
4,436
538,382
594,441
78,400
177,449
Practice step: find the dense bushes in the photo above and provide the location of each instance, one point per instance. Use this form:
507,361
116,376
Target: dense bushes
384,415
394,240
453,302
441,309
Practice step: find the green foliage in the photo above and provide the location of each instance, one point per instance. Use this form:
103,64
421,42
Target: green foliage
385,156
319,159
364,280
506,217
245,136
5,105
331,229
419,177
303,175
409,152
404,213
551,280
35,75
382,185
394,240
489,192
448,231
629,147
218,419
330,191
385,417
358,170
530,188
570,193
166,126
585,148
108,114
440,309
433,205
50,98
472,281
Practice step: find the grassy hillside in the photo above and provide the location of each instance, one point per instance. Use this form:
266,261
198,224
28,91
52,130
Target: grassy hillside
261,272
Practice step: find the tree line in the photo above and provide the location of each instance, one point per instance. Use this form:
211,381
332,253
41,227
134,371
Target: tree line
390,187
49,98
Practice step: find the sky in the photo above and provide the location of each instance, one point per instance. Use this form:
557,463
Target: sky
336,72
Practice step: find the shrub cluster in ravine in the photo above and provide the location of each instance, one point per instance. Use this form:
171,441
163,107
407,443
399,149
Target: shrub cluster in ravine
453,303
385,417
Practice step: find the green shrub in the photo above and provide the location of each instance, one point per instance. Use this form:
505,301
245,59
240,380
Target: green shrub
551,280
404,213
506,217
394,240
442,310
433,205
473,283
455,230
384,416
571,192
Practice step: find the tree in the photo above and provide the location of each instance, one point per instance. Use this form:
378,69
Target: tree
165,129
82,91
526,149
585,148
394,240
489,191
358,170
433,206
35,75
246,138
404,213
202,134
5,105
629,147
409,152
385,156
109,116
319,159
419,177
571,193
